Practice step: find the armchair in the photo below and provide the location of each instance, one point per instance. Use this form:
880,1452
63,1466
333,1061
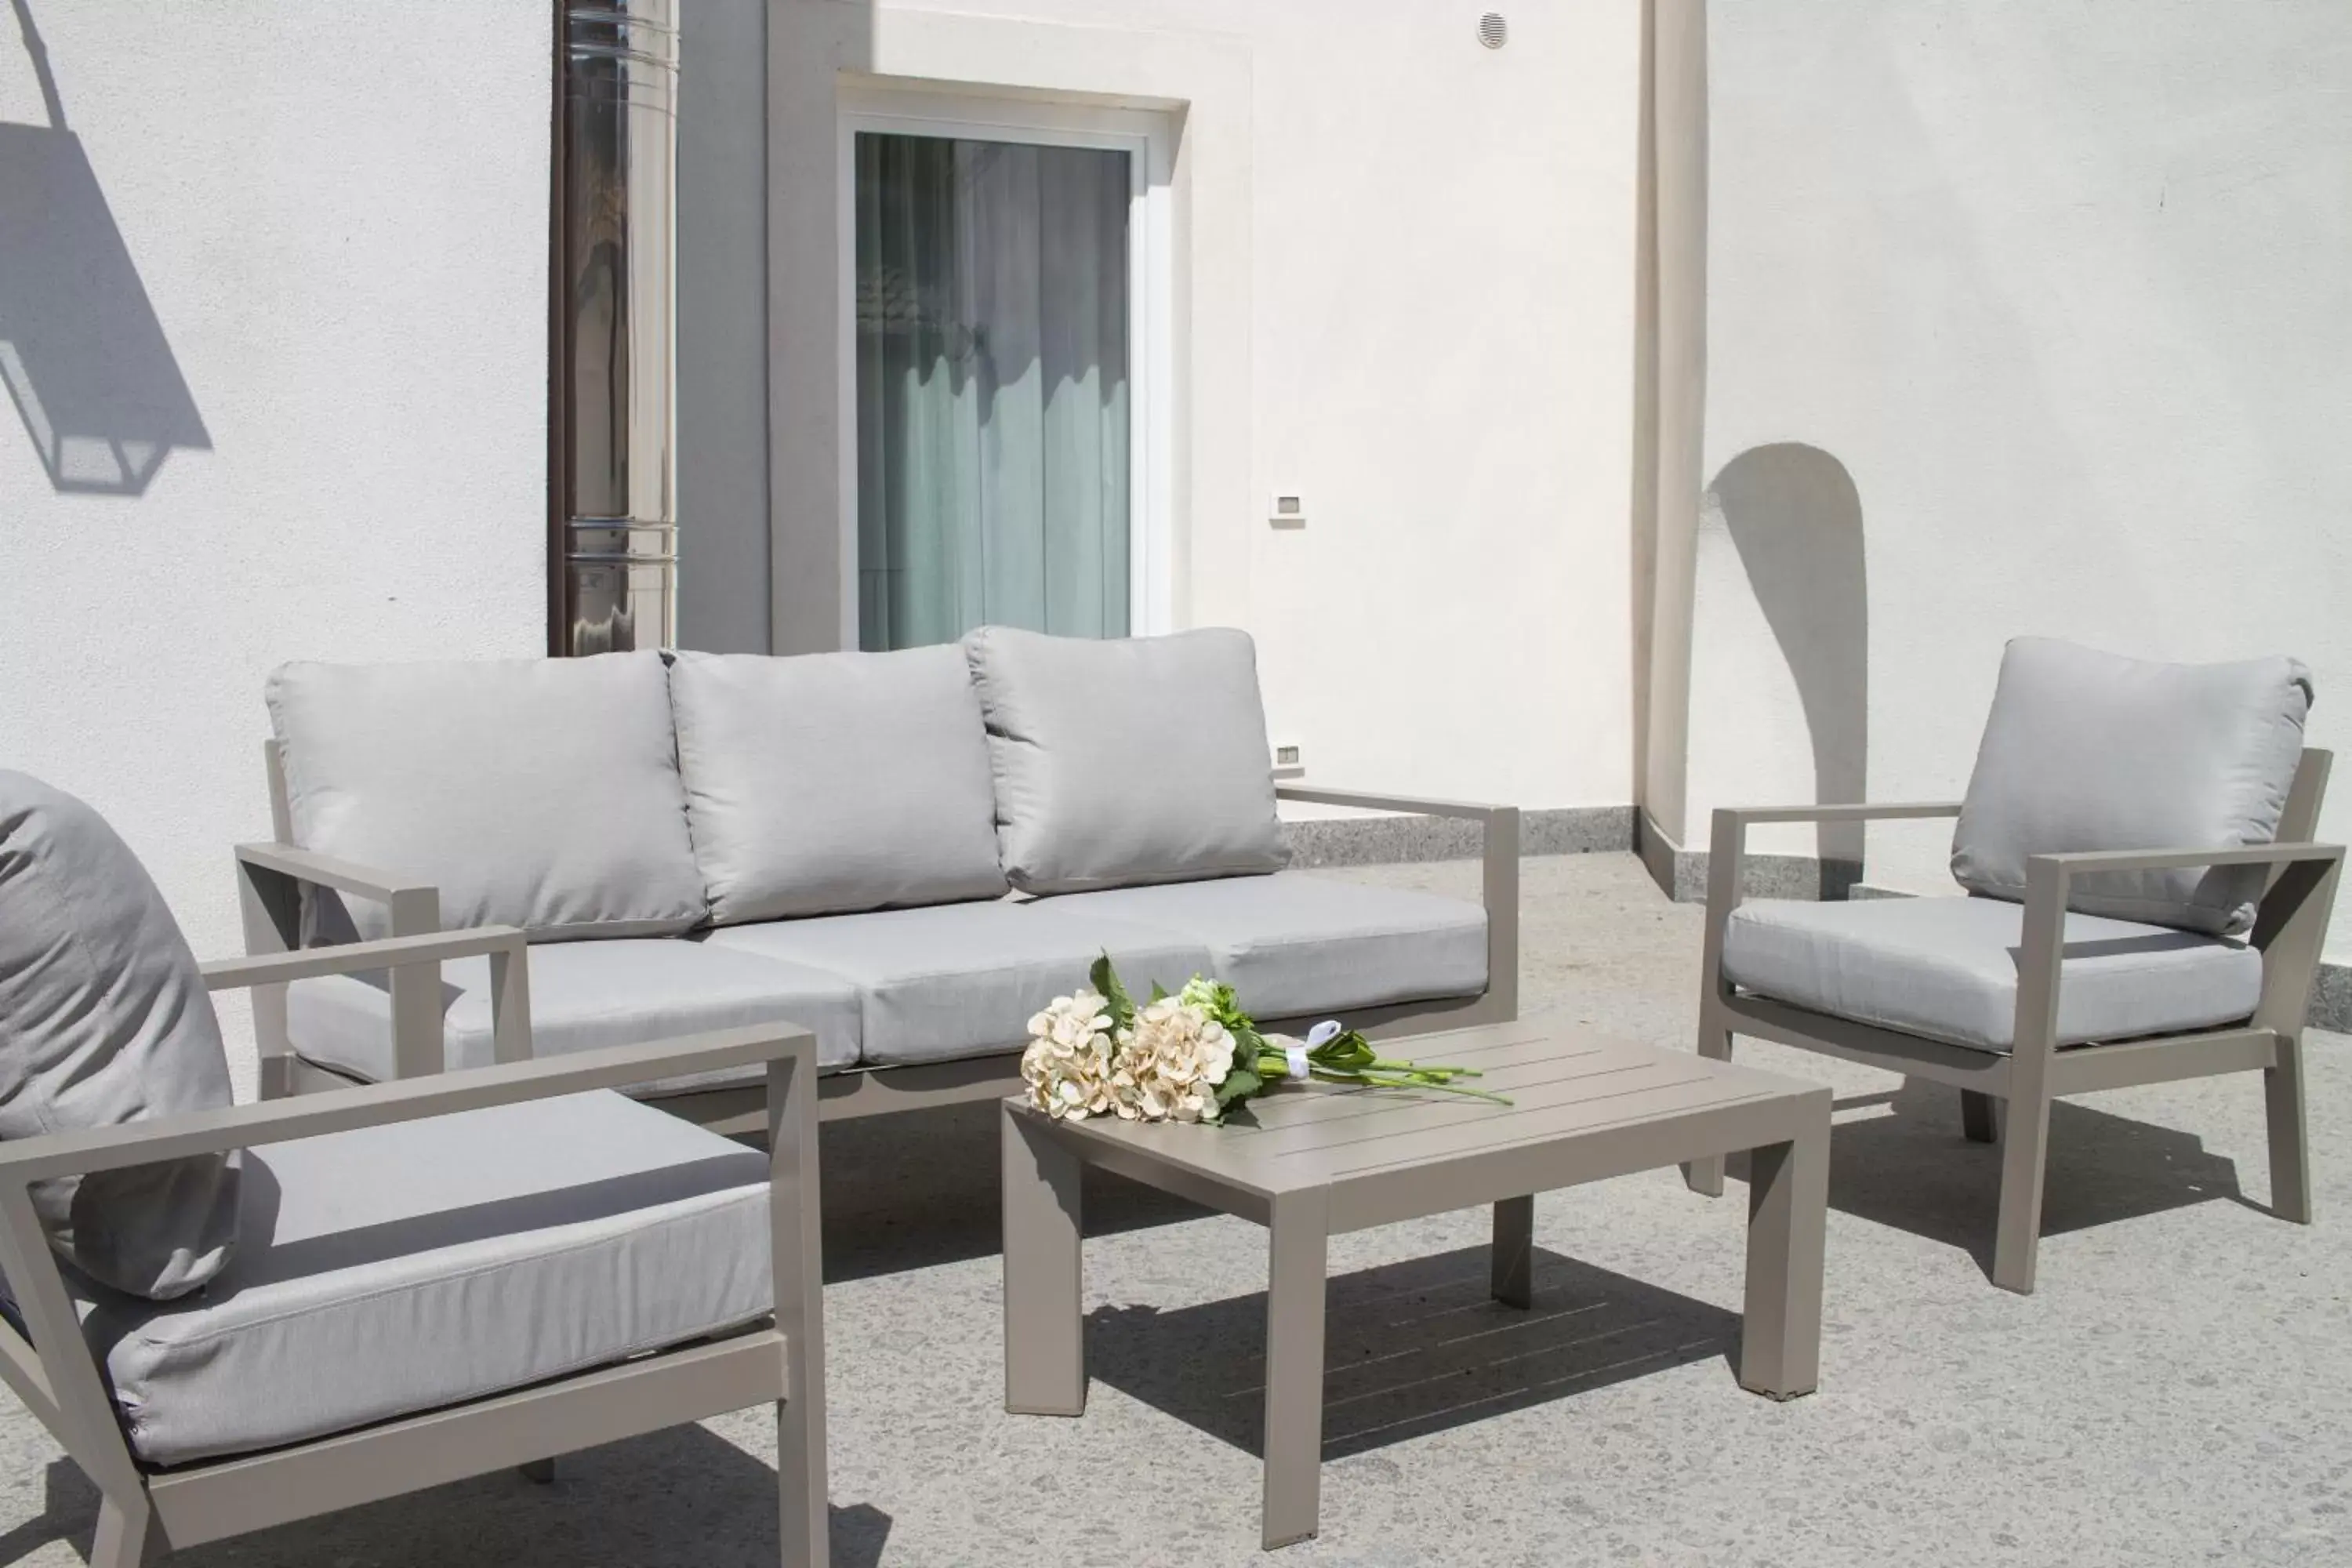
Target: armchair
2017,999
412,1292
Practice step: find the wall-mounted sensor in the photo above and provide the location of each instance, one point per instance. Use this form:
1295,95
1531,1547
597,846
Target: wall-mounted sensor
1493,30
1288,512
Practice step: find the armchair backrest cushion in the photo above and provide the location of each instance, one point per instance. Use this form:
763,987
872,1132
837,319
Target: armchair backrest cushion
104,1019
1126,761
542,792
2089,750
823,784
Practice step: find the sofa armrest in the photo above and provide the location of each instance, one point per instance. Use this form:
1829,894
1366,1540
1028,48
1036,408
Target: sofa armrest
1856,811
270,884
308,869
1498,882
407,957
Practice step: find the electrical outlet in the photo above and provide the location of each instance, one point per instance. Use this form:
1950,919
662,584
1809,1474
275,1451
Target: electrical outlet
1286,761
1288,512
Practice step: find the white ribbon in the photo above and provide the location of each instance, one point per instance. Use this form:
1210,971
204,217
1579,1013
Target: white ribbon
1321,1033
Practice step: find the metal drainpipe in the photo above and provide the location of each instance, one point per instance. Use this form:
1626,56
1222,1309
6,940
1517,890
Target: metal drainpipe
614,559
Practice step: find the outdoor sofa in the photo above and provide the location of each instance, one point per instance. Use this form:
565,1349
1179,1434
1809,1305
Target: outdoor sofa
907,853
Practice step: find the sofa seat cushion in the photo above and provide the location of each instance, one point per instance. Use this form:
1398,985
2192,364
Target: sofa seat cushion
1292,942
1947,968
394,1270
539,792
964,980
827,783
586,995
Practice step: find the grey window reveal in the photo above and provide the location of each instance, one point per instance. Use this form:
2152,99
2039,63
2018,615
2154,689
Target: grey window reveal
992,370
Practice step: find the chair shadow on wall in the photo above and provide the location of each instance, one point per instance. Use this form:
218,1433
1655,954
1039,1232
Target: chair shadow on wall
1794,517
81,351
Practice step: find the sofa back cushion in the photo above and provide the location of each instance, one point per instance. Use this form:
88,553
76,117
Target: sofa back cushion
834,781
542,792
104,1020
1126,760
2087,751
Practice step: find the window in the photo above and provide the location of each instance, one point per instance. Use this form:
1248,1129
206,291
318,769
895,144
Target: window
999,308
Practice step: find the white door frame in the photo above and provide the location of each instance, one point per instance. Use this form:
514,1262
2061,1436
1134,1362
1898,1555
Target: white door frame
1149,140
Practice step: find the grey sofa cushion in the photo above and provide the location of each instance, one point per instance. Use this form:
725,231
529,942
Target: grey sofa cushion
586,995
834,781
1293,943
1126,761
395,1269
1947,968
963,980
542,792
104,1019
2090,751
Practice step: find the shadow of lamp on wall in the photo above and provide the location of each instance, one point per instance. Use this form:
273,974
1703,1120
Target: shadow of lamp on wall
83,357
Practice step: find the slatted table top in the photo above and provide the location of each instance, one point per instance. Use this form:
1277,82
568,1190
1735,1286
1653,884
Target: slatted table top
1584,1106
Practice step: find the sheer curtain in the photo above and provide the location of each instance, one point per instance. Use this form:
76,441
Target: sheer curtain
992,389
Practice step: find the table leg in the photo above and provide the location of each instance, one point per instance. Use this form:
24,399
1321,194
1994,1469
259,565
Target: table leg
1297,1233
1788,1213
1513,1275
1044,1323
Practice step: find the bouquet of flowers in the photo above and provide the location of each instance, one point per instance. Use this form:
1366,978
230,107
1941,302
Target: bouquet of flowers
1186,1057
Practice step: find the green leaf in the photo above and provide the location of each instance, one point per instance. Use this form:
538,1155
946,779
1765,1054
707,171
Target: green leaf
1115,1000
1159,991
1240,1084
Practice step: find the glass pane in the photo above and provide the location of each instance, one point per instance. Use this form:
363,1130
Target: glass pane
992,389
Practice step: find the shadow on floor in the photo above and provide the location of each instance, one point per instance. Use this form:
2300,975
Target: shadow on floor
1911,1170
1412,1348
919,1189
684,1498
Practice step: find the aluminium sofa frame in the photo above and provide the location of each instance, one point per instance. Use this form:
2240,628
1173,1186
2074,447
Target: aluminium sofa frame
147,1510
272,877
2290,928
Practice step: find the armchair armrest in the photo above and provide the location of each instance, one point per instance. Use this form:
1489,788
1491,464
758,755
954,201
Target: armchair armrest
1498,881
2087,862
1857,811
29,1160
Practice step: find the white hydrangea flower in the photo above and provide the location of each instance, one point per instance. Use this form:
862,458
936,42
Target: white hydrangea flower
1169,1065
1067,1064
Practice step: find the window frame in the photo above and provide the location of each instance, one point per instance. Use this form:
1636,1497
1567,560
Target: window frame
1148,138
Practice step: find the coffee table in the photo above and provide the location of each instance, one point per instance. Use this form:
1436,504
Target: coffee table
1314,1161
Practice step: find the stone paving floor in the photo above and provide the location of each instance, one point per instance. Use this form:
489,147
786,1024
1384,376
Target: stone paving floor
2175,1392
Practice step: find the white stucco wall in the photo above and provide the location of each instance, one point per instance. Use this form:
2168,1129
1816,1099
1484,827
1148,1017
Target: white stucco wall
2060,288
1408,296
341,226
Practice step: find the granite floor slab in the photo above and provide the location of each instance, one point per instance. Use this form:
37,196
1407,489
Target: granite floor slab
2174,1393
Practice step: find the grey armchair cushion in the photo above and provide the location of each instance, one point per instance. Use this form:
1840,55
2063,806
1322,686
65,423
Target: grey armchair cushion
2086,751
1947,968
397,1270
542,792
963,980
1293,943
586,995
104,1019
834,781
1126,761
